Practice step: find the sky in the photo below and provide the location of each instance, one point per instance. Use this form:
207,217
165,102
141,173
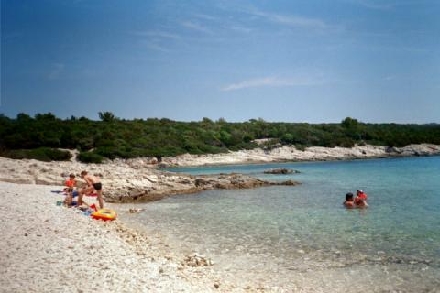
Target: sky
277,60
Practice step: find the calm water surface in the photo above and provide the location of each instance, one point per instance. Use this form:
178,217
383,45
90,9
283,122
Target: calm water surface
301,238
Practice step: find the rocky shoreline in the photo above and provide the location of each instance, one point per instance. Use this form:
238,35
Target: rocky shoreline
139,179
124,183
50,248
291,154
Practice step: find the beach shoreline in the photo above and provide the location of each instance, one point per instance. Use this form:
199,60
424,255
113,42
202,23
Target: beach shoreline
50,248
144,179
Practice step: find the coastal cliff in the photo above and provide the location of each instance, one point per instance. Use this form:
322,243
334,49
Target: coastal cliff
140,179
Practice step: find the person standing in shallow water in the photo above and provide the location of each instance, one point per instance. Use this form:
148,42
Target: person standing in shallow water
359,202
349,200
93,183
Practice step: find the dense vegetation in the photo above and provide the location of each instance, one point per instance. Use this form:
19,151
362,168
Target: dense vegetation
42,136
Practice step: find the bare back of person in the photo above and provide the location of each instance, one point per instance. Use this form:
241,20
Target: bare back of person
93,184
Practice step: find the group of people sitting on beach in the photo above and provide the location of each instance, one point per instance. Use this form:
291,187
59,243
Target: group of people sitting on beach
92,186
360,201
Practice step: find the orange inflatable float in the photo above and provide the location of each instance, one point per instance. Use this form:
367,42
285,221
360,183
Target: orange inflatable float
104,214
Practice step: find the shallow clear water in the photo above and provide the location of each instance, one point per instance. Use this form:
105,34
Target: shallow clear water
302,238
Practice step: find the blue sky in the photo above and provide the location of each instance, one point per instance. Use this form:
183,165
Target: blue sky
285,61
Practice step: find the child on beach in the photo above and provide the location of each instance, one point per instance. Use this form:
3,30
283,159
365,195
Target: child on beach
69,190
93,183
70,182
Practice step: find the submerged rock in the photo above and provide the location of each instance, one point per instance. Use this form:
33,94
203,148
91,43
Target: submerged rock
281,171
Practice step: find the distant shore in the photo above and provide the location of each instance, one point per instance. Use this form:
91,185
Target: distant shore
291,153
143,179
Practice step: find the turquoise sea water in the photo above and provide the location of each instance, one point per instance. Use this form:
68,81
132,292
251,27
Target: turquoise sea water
302,238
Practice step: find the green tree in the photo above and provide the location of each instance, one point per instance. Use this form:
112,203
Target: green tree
107,117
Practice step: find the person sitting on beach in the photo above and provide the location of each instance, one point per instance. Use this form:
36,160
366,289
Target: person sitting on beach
361,199
349,201
70,190
93,184
71,194
70,183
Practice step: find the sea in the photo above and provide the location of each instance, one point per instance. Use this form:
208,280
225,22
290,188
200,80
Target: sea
301,238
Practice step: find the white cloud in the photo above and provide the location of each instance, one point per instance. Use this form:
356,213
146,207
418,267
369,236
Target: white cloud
291,20
155,39
206,17
374,5
196,26
383,5
297,21
156,34
268,82
154,45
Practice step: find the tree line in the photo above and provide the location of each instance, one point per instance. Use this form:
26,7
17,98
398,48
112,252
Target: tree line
44,136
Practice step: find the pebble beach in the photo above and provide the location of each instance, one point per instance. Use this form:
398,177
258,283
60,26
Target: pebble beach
50,248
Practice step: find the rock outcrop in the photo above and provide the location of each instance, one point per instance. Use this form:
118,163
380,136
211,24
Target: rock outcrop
141,179
125,180
172,184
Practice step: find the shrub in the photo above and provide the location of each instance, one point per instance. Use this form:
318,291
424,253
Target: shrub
90,157
42,154
56,154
